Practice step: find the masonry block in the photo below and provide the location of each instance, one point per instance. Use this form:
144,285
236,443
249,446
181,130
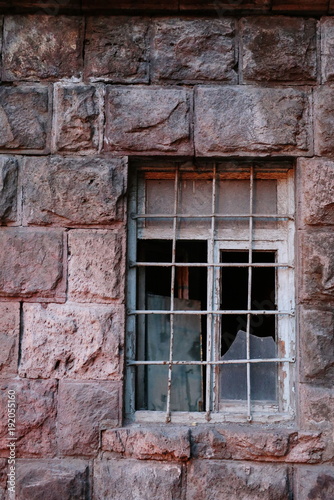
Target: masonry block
279,49
316,191
131,6
69,191
148,120
317,347
316,407
8,189
53,479
223,7
83,408
42,48
317,266
323,117
31,263
36,411
300,7
327,49
315,483
209,479
194,50
117,49
96,265
150,443
132,479
78,120
24,118
251,120
9,338
72,341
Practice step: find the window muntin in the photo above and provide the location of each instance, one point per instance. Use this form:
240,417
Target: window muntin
187,225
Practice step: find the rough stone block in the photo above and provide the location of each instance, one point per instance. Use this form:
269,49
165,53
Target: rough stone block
3,477
36,411
96,266
43,47
151,443
194,50
71,341
316,407
148,120
251,120
317,347
317,266
9,338
53,480
132,480
273,445
69,191
316,191
279,49
323,118
78,119
116,49
327,49
315,483
31,263
83,407
209,479
24,118
8,189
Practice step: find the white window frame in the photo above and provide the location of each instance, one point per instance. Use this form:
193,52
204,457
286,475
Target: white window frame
280,240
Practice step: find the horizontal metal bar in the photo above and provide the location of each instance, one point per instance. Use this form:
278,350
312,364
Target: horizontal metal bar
205,363
204,264
209,216
218,312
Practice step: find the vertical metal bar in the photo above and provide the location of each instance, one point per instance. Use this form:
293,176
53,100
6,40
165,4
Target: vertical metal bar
172,294
211,291
249,294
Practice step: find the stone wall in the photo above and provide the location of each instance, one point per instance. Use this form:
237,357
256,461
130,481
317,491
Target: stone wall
79,97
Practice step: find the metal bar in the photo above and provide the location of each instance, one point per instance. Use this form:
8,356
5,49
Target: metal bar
218,362
209,216
172,294
204,264
218,312
249,292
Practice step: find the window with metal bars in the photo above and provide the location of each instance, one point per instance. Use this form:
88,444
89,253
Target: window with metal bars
211,328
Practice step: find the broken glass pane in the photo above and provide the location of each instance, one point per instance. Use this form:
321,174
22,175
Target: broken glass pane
233,377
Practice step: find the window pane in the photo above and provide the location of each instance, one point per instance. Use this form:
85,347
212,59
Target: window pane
159,200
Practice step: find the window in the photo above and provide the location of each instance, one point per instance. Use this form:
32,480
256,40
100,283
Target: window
211,291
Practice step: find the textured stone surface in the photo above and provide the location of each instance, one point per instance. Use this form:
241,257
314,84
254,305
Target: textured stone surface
223,7
279,49
132,480
194,50
316,191
323,114
317,347
8,189
317,271
273,445
300,7
24,118
250,119
44,47
9,337
148,443
96,265
327,49
53,480
31,263
78,118
148,120
129,6
71,341
83,407
71,191
36,410
116,49
3,478
210,480
316,407
316,483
